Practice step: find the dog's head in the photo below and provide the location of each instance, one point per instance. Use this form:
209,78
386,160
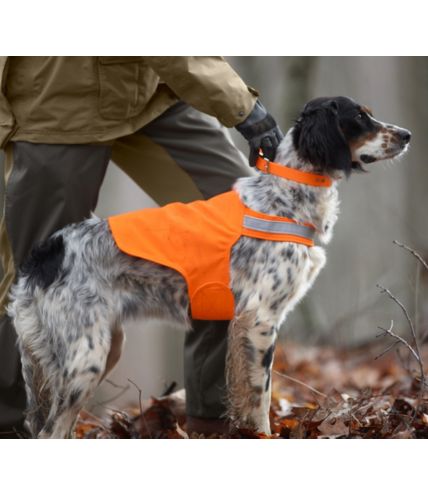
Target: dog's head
339,134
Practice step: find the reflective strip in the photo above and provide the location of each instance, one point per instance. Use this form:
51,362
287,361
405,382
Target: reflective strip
269,226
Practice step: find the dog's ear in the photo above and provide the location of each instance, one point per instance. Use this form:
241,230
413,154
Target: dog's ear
319,140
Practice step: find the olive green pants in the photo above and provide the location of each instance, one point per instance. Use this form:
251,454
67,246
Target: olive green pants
182,155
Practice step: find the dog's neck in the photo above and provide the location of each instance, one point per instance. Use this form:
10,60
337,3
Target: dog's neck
280,197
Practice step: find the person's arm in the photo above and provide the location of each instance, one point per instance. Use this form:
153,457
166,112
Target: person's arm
210,85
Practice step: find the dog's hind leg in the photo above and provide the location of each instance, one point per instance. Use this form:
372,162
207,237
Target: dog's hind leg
85,365
38,403
251,343
33,348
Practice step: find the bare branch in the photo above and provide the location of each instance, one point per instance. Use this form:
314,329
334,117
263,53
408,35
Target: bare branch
387,349
416,254
417,288
140,392
409,320
143,418
414,351
293,379
123,390
401,340
119,386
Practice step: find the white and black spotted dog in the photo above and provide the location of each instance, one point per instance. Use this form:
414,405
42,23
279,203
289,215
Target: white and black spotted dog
77,288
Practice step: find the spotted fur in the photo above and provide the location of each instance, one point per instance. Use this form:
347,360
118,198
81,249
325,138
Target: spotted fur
76,291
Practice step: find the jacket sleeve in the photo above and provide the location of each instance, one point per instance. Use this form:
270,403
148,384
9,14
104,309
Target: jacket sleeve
209,84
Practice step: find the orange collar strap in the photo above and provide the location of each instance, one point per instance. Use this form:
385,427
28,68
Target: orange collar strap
307,178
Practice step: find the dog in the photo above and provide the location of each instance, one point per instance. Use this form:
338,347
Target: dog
76,289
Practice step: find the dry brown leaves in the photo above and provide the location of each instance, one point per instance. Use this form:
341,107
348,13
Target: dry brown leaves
352,396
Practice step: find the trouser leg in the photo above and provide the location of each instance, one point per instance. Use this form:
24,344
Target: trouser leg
185,144
47,187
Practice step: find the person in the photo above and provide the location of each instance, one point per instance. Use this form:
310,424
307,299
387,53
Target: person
62,119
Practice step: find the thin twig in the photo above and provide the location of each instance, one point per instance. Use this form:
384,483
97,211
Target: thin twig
293,379
416,254
123,390
412,328
416,354
387,349
140,392
417,288
401,340
143,418
425,265
119,386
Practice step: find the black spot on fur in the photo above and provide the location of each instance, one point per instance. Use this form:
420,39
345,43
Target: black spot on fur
249,350
90,341
74,396
44,263
268,357
256,277
257,390
60,405
278,302
267,381
276,282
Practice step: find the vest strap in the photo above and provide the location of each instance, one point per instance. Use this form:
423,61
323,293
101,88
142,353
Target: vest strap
306,178
278,227
267,227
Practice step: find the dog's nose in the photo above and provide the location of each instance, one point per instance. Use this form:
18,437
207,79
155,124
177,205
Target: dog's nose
404,135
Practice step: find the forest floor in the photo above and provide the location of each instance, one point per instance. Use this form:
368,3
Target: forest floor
317,392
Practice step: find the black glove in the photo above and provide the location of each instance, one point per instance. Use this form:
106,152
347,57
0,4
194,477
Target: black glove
261,132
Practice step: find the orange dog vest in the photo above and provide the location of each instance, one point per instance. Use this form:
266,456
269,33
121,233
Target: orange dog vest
196,239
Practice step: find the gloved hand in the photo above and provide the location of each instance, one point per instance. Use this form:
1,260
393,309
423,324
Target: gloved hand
261,132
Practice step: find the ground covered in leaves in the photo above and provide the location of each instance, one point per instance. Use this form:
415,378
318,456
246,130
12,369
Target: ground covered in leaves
317,392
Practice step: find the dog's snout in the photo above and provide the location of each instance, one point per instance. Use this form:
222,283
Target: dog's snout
404,135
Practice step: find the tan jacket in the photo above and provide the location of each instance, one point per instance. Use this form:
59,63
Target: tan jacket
95,99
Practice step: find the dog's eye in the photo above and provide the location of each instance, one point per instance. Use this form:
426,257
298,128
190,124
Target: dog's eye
359,116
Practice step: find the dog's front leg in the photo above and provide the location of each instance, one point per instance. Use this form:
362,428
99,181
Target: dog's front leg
251,343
